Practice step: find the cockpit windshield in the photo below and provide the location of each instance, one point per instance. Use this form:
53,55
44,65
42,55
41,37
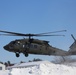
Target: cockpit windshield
12,42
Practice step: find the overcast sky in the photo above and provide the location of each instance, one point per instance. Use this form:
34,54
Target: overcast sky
37,16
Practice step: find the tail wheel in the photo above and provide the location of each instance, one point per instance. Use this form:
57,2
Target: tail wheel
17,55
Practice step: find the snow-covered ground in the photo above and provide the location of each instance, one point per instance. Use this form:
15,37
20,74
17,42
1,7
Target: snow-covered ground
5,72
44,68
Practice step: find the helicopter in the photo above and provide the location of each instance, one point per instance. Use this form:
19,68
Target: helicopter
35,46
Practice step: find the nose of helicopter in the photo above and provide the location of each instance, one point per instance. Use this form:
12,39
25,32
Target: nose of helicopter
6,47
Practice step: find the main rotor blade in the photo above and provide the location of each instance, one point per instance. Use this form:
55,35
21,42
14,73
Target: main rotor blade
7,35
13,33
53,32
50,35
29,35
16,34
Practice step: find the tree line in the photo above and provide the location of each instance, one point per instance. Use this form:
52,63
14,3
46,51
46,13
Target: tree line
8,63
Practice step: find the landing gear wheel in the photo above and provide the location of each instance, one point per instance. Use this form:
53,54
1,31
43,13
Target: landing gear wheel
26,54
17,55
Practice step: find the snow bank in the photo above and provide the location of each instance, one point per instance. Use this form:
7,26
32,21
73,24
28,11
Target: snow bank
4,72
44,68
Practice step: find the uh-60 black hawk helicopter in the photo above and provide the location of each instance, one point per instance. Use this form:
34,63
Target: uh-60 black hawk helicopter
35,46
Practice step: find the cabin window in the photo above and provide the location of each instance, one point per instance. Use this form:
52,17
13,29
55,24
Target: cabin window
31,46
35,46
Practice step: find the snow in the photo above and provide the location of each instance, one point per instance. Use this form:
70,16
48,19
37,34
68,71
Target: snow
4,72
28,64
43,68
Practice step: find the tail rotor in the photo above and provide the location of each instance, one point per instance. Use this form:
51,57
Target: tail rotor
73,37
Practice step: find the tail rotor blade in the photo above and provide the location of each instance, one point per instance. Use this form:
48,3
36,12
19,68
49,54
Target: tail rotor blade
73,37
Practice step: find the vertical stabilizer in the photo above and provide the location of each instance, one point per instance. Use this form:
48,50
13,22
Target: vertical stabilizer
73,46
